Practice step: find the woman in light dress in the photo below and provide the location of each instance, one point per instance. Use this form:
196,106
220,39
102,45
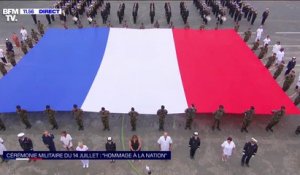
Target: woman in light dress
227,146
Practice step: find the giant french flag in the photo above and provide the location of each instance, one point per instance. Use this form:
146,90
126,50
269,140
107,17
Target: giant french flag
123,68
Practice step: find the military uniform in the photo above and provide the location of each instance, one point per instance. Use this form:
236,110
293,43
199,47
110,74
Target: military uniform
29,43
34,35
270,62
11,58
218,114
41,28
289,79
297,99
190,115
247,35
255,45
236,27
51,117
105,119
133,117
278,71
161,118
263,52
276,118
78,114
24,48
2,125
24,118
3,69
247,119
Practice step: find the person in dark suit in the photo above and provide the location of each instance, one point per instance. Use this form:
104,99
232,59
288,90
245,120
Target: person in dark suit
110,146
265,16
291,65
48,140
250,149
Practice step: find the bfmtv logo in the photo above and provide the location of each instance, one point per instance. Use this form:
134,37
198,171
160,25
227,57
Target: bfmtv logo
10,14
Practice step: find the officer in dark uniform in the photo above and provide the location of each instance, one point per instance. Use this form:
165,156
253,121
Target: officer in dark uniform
2,125
78,114
133,117
218,114
161,113
254,15
105,118
152,12
110,146
48,141
291,65
248,116
249,151
23,115
48,18
25,143
265,16
194,144
277,115
190,115
51,117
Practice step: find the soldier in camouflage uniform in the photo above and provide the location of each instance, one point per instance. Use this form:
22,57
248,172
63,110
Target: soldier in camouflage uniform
289,79
3,69
34,35
78,114
263,51
297,99
202,27
11,58
133,117
247,35
40,27
236,27
279,70
51,117
161,113
247,118
271,60
29,42
23,116
277,115
218,114
255,45
105,118
190,115
24,47
2,125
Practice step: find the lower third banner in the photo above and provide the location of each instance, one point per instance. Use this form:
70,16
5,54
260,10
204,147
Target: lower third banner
81,155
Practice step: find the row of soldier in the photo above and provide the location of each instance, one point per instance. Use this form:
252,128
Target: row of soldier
25,43
190,114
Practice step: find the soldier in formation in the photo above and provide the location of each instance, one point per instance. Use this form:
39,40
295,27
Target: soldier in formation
190,115
247,34
34,35
297,99
2,125
133,117
3,69
263,51
218,114
11,58
289,79
24,47
277,115
162,113
271,61
278,70
105,118
40,27
78,114
152,12
51,117
135,12
29,42
248,116
24,117
255,45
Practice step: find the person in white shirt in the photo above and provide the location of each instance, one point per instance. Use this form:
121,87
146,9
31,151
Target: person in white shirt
24,34
228,146
2,148
279,56
165,142
82,147
259,32
2,56
267,40
276,47
66,140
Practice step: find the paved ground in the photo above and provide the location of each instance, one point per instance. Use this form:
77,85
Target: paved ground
278,152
